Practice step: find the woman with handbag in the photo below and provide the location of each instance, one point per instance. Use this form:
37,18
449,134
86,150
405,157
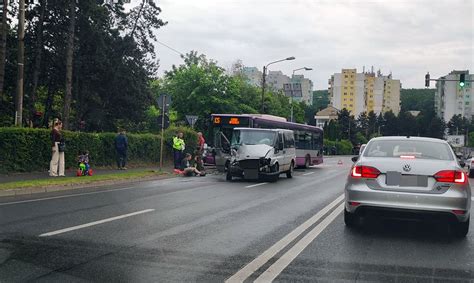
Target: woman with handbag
57,147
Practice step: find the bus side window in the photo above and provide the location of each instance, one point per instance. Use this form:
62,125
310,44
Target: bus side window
316,141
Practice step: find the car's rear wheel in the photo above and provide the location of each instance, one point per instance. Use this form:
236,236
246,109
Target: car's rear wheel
350,219
460,229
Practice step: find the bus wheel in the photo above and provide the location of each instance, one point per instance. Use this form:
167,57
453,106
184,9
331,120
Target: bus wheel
289,174
307,161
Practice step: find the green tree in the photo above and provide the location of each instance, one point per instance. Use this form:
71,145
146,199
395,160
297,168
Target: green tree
372,123
457,125
200,87
417,99
347,125
407,125
436,128
363,124
320,99
360,138
390,127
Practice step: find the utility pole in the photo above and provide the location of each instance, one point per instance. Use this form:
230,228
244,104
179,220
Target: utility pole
21,65
3,43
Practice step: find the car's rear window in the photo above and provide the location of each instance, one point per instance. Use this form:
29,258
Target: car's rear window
408,149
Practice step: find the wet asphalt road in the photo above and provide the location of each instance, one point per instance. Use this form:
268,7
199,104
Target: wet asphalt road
208,230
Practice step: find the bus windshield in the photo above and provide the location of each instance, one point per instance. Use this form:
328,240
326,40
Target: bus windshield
252,137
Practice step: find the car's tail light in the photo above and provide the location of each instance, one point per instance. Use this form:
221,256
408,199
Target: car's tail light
459,212
451,176
364,172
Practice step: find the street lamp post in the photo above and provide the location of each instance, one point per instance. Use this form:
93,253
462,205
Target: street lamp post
291,101
265,74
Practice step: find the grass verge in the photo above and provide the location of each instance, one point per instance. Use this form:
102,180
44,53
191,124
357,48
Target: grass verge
58,181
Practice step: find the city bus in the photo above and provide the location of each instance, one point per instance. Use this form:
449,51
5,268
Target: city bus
308,139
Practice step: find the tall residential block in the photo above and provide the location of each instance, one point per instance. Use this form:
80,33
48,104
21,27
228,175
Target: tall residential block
275,80
253,75
451,98
364,92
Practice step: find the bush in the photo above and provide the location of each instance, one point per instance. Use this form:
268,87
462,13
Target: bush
343,147
26,149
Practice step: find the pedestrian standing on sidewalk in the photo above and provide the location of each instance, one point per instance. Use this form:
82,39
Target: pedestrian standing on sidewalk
201,142
178,149
121,147
57,149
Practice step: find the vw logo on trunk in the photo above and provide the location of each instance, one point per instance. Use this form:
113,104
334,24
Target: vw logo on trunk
406,167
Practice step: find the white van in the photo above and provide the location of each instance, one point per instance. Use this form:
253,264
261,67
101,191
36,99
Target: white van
258,153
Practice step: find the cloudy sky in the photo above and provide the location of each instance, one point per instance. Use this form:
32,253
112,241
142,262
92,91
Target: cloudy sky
405,37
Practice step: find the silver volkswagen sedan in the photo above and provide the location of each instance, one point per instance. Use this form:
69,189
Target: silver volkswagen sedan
408,177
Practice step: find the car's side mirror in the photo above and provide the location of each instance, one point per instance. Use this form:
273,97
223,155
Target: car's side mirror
355,158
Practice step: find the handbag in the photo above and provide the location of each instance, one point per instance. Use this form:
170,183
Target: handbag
61,146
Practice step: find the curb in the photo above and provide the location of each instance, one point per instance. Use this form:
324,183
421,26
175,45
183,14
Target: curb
59,188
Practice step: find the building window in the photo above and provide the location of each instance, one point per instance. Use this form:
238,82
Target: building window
345,99
350,105
345,76
345,87
351,99
345,93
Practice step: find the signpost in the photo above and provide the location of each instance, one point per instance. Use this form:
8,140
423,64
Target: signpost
191,120
164,101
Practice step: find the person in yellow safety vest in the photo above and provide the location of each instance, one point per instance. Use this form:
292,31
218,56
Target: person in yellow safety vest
178,149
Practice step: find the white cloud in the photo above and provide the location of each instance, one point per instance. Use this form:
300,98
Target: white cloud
405,37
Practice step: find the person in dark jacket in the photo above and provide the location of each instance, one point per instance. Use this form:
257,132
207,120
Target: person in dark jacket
121,147
186,167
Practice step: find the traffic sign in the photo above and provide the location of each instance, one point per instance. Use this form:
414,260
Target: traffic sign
293,90
191,119
164,99
165,120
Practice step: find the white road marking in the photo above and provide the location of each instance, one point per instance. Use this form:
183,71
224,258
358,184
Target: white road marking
256,185
84,194
276,268
66,196
258,262
309,173
94,223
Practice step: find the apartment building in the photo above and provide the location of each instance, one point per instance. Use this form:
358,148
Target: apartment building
364,92
451,98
